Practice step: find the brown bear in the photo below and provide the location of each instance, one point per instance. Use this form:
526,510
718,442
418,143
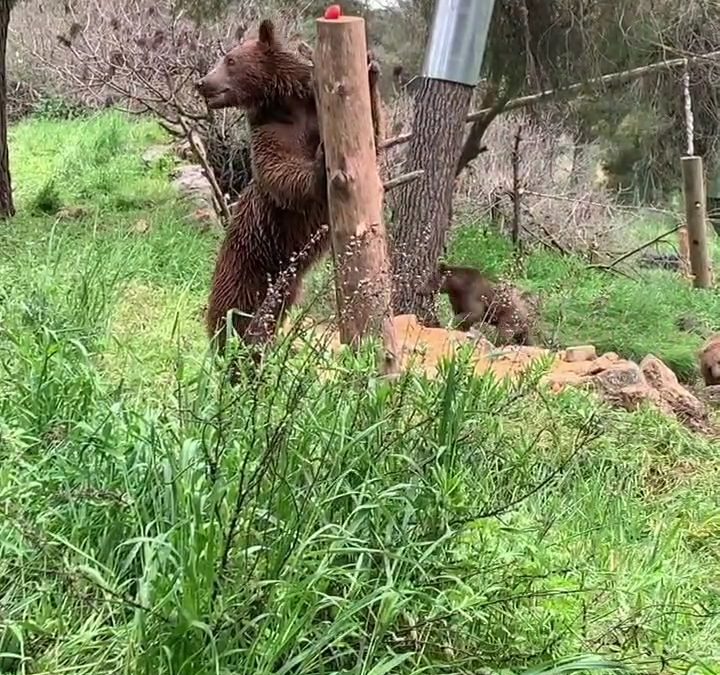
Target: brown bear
710,361
474,299
279,227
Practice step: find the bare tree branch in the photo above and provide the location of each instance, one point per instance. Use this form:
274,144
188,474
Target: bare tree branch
578,88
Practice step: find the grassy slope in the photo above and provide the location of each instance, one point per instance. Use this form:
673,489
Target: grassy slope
362,510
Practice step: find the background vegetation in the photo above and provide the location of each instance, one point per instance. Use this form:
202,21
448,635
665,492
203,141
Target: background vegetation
317,520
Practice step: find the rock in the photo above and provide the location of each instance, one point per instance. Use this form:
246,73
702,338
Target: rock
155,153
190,180
676,398
585,369
619,375
483,345
634,396
141,226
73,212
582,353
205,218
191,183
184,151
712,394
559,381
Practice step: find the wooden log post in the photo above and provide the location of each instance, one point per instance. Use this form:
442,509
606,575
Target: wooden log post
694,193
355,194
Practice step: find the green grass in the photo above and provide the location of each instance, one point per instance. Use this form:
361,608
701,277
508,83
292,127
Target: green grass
315,520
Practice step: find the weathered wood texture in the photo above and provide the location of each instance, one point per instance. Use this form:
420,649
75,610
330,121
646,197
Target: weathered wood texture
694,191
355,194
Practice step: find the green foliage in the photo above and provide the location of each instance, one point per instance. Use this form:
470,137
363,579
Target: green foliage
316,519
93,161
47,200
58,108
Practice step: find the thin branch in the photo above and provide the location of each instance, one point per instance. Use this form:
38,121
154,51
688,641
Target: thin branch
610,79
589,202
472,147
402,179
625,256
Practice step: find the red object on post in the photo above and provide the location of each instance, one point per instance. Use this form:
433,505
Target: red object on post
333,12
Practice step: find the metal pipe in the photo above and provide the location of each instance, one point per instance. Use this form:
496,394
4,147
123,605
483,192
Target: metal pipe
457,40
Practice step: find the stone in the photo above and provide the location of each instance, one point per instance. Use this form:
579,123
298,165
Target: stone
712,394
205,218
141,226
559,381
677,399
619,375
184,151
73,212
658,374
634,396
580,353
191,183
155,153
482,345
584,368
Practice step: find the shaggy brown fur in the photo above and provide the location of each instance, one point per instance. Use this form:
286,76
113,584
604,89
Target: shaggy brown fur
710,361
280,218
475,298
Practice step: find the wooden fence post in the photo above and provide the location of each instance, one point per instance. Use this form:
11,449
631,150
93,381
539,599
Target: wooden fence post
355,193
694,192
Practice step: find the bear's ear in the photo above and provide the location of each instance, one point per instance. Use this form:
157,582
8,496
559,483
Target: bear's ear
266,33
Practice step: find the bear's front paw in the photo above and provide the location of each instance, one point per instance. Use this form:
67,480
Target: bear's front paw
373,66
320,170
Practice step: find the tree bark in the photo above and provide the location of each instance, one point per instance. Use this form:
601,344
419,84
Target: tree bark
422,209
473,147
7,208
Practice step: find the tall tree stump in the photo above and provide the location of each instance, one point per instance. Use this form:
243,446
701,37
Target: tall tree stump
355,193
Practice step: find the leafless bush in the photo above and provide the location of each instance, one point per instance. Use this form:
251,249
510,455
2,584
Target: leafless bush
21,100
564,203
143,56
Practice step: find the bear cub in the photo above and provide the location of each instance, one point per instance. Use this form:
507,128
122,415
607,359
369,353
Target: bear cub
476,299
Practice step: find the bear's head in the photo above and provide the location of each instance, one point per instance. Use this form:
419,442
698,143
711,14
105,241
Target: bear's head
710,361
256,72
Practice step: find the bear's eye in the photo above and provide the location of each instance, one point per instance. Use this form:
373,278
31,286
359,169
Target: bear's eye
230,61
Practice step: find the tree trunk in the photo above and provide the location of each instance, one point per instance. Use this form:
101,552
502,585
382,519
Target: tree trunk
422,209
7,208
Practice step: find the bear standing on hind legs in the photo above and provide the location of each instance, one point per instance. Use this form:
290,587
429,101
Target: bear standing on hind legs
280,220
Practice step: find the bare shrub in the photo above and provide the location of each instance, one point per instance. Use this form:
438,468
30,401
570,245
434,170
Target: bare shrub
564,202
21,100
144,56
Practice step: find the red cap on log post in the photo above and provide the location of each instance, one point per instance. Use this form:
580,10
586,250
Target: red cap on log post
333,12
